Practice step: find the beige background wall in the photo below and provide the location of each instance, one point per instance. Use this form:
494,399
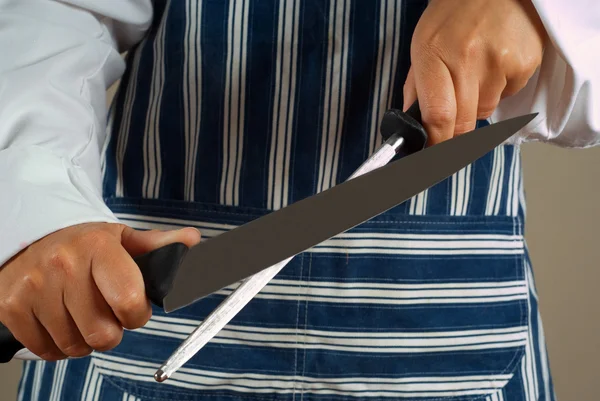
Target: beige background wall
563,233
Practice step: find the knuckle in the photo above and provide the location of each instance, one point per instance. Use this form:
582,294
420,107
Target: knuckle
440,116
10,304
60,259
513,87
428,48
30,282
132,302
134,309
52,356
529,62
485,112
463,127
105,338
502,59
76,349
471,48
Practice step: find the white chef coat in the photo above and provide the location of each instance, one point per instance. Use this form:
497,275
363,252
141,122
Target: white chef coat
57,58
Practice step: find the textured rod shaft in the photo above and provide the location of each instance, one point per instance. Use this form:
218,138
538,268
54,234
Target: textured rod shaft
248,289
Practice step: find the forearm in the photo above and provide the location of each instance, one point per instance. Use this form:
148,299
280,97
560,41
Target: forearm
57,61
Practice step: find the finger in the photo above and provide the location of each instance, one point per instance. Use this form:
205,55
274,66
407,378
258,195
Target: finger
121,284
467,99
490,93
61,327
92,315
437,99
137,242
410,91
26,329
16,311
513,86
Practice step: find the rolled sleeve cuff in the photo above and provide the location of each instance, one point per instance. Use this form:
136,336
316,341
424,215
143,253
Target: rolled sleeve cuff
40,194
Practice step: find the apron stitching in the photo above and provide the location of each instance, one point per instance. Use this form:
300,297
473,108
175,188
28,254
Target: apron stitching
297,323
306,324
488,219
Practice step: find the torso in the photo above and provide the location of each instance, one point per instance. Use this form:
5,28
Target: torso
230,110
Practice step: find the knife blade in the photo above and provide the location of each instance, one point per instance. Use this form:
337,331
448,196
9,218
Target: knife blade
246,250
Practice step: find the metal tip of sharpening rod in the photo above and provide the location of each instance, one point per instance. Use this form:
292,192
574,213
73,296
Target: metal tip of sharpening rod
160,376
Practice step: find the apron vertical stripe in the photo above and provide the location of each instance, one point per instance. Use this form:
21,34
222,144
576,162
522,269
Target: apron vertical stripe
513,186
151,141
335,93
539,346
263,20
516,184
214,32
418,204
125,123
109,125
493,188
38,374
23,384
397,24
310,119
460,191
92,384
235,91
192,89
411,12
500,182
496,183
522,203
387,58
364,41
467,193
172,132
543,353
528,365
283,104
58,380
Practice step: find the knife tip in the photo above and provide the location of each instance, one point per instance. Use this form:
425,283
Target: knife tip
160,376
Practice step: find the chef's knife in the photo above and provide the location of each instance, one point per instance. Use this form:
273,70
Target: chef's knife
176,276
252,247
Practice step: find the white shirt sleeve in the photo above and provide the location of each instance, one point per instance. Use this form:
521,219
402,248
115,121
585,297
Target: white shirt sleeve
565,90
57,59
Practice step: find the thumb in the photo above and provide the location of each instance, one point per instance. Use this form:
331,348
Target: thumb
137,242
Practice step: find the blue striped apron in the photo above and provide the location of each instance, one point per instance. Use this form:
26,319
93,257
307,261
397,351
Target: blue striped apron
230,109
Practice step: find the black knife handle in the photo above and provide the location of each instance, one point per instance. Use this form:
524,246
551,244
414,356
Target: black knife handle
406,124
158,268
9,345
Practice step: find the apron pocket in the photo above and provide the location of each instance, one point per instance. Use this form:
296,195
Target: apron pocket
410,307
